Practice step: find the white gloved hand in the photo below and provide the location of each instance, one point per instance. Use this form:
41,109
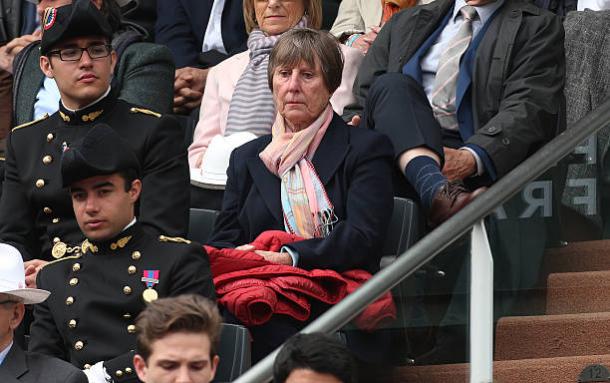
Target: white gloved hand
97,373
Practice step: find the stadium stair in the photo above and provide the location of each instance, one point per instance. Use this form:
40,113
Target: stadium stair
573,333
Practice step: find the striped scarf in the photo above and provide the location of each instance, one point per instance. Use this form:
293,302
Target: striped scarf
252,108
307,210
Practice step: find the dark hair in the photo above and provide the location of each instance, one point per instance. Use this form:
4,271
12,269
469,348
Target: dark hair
128,175
313,47
185,313
317,352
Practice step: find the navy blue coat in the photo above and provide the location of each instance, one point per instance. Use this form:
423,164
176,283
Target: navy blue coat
354,164
181,26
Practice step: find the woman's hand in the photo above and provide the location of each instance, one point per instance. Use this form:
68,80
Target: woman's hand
275,257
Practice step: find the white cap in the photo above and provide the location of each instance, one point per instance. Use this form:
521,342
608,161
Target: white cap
12,277
215,160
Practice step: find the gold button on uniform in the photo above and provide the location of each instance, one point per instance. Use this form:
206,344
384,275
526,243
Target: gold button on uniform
73,281
131,270
87,366
47,210
119,373
50,137
131,329
40,183
56,239
72,323
128,370
136,255
47,159
55,220
127,315
69,301
76,267
126,290
78,345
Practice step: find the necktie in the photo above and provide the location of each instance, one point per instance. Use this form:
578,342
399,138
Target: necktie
444,91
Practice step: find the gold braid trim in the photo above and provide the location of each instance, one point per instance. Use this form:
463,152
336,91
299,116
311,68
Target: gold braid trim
62,259
164,238
145,111
46,115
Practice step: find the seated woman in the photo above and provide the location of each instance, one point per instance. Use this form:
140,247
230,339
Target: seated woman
314,177
237,101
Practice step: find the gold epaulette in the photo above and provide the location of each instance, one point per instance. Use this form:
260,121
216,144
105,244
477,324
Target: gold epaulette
62,259
145,111
46,115
164,238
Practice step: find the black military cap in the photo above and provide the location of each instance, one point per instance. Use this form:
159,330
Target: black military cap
101,151
81,18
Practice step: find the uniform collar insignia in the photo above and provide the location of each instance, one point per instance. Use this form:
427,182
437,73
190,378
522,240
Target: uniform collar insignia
120,243
88,246
89,114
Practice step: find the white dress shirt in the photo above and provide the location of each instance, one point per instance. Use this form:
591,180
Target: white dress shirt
5,352
212,40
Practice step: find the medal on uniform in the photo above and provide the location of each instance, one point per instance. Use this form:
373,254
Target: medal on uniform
150,278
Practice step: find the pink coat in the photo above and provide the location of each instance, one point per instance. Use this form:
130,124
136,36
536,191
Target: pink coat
219,88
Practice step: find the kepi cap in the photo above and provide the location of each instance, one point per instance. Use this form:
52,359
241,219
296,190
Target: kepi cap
101,151
81,18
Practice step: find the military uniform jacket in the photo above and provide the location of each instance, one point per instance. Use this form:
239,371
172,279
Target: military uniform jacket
36,212
97,295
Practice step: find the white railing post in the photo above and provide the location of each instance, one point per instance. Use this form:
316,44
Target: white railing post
481,306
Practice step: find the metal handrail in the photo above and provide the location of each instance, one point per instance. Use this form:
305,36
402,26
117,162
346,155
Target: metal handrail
439,239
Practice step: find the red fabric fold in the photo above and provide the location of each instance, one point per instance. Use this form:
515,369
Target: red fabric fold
254,289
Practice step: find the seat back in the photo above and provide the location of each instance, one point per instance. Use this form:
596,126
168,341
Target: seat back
404,229
201,224
234,353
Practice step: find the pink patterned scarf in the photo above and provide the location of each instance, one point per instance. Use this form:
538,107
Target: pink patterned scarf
306,208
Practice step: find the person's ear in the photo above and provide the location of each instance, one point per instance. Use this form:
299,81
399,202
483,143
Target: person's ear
113,61
17,317
46,67
140,365
215,361
135,190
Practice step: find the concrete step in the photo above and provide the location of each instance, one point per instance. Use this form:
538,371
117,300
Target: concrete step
548,336
546,370
578,256
582,292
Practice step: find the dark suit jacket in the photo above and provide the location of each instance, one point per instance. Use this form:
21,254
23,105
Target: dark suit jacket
355,166
515,83
181,26
31,367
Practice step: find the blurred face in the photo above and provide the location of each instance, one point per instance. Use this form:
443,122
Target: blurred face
44,4
277,16
178,358
83,81
11,313
300,94
102,206
303,375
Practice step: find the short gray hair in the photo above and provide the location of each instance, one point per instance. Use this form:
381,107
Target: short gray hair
311,46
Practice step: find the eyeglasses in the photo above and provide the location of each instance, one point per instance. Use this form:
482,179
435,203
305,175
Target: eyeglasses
96,51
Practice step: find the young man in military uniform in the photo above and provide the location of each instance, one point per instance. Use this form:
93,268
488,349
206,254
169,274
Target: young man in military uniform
35,212
98,293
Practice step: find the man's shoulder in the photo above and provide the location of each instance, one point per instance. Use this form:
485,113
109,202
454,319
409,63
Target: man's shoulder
53,368
37,122
53,269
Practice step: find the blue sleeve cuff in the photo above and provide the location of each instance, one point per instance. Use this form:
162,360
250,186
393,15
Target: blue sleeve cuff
490,169
293,254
